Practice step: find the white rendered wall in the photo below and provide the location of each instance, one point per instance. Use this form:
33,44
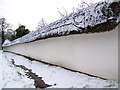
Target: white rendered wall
96,54
0,43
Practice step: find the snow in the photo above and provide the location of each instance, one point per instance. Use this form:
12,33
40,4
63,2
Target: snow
6,42
83,18
118,19
56,76
11,76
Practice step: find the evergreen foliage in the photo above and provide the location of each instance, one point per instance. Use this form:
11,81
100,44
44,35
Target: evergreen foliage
21,31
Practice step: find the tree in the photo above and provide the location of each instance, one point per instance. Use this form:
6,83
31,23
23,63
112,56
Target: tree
42,23
10,34
21,31
3,25
63,14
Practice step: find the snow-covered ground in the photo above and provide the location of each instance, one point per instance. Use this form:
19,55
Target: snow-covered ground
11,76
57,77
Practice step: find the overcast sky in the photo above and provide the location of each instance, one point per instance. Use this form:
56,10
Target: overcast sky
29,12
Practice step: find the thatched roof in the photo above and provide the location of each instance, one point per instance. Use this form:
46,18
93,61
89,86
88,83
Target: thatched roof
100,17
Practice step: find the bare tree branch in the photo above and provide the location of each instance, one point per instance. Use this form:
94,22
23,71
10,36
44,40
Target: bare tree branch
42,23
64,14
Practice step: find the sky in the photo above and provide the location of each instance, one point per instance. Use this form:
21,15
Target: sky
30,12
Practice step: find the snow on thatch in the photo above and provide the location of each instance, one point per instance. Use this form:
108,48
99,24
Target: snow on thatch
100,17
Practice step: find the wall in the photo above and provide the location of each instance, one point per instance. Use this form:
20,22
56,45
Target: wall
96,54
0,43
